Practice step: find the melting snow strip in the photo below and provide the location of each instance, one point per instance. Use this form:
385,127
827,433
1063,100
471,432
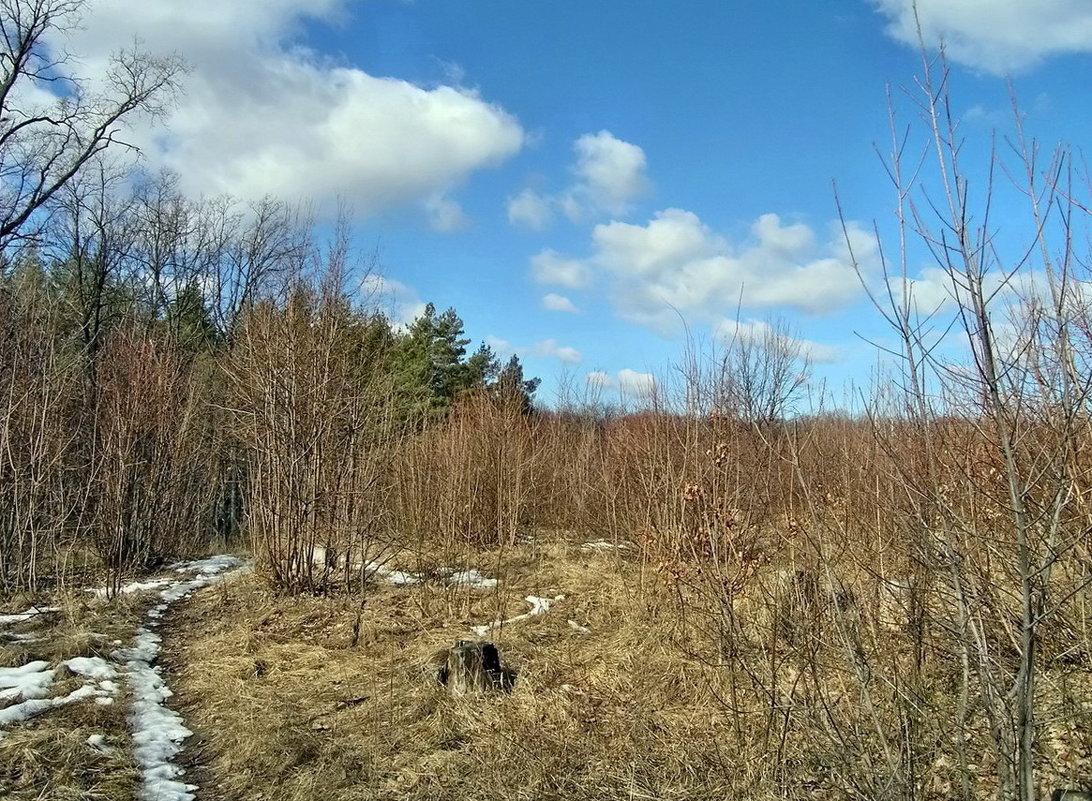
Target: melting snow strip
603,545
469,577
28,637
539,606
125,589
23,617
158,731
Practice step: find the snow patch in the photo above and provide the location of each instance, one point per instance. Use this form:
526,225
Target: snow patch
14,637
30,614
32,680
158,732
603,545
472,578
26,710
126,589
94,667
98,742
539,606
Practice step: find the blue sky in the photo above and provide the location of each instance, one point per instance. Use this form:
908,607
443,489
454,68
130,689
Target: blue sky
578,179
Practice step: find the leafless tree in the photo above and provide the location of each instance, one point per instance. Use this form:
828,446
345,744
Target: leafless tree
53,123
1006,547
763,372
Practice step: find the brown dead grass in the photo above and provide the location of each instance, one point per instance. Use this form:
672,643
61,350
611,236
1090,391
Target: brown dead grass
289,709
48,757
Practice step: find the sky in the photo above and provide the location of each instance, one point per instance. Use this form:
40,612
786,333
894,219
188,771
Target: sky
593,184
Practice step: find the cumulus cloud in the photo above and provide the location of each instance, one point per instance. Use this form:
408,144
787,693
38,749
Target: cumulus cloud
550,349
761,332
546,349
636,385
630,384
549,267
558,303
676,265
997,36
530,210
262,115
608,176
445,214
600,380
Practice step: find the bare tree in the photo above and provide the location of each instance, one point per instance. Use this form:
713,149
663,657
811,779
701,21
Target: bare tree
53,123
763,373
1007,549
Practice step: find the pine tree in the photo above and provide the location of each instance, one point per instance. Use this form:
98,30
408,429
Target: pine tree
511,385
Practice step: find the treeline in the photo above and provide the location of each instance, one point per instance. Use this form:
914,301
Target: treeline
153,348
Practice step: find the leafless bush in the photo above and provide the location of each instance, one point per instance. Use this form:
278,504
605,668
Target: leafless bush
312,407
39,415
151,456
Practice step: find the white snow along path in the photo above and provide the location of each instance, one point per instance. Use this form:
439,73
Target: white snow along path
158,731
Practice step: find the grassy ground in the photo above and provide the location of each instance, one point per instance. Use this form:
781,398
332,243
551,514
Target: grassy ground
48,757
289,708
331,698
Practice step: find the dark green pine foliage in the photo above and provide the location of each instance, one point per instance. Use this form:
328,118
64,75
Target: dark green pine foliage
427,363
189,320
512,386
431,370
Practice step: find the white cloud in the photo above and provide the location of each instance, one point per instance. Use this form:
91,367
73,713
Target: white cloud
761,332
550,349
931,291
558,303
676,265
263,115
530,210
629,383
998,36
445,214
610,174
397,300
600,380
637,385
546,349
549,267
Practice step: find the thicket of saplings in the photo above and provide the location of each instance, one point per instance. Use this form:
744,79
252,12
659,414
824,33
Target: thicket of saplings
899,597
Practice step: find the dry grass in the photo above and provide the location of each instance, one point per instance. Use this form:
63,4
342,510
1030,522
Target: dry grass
290,710
48,757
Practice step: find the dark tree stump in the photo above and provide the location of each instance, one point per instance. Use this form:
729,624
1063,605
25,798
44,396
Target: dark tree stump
474,667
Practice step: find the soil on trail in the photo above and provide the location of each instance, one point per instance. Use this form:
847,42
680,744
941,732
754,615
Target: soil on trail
195,757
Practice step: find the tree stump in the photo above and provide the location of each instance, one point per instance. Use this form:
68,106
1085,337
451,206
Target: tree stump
472,666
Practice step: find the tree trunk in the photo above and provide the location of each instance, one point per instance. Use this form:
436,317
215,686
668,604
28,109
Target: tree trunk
474,667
